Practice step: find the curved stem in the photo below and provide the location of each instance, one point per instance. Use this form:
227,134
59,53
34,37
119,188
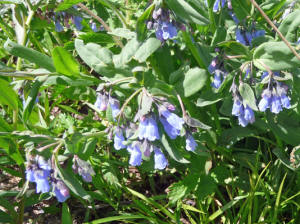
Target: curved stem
55,154
120,15
275,28
233,56
106,27
25,25
181,105
127,101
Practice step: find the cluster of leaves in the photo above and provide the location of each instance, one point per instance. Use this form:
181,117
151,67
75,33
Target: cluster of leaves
190,55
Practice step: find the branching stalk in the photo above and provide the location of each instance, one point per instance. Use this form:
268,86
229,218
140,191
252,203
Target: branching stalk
126,102
106,27
275,28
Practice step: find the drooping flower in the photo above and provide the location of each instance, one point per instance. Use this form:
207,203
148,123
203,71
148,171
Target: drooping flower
245,114
77,21
118,140
245,37
38,171
148,129
101,102
237,108
115,106
160,161
94,27
285,101
218,79
233,16
83,168
172,119
30,174
58,26
169,129
135,154
275,104
164,27
249,115
213,65
61,190
41,180
191,144
240,36
165,31
216,6
265,101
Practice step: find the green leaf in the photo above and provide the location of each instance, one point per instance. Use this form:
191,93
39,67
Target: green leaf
141,26
100,59
248,95
67,4
66,215
232,135
290,25
200,52
276,55
181,189
123,33
285,128
234,48
172,150
64,62
146,49
118,218
109,173
100,38
88,148
4,217
29,54
186,12
179,73
7,95
208,98
282,156
129,51
192,122
206,186
31,99
241,8
193,80
9,207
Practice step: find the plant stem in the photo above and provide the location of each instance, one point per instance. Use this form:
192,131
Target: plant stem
106,27
120,15
181,105
275,28
47,146
25,25
21,204
127,101
54,154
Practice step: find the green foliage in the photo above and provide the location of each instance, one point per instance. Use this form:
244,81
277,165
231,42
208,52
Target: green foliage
140,66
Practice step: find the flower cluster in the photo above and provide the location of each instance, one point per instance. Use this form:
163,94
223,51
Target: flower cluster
241,109
245,37
83,168
104,100
244,113
64,18
274,97
161,22
216,67
40,172
142,138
